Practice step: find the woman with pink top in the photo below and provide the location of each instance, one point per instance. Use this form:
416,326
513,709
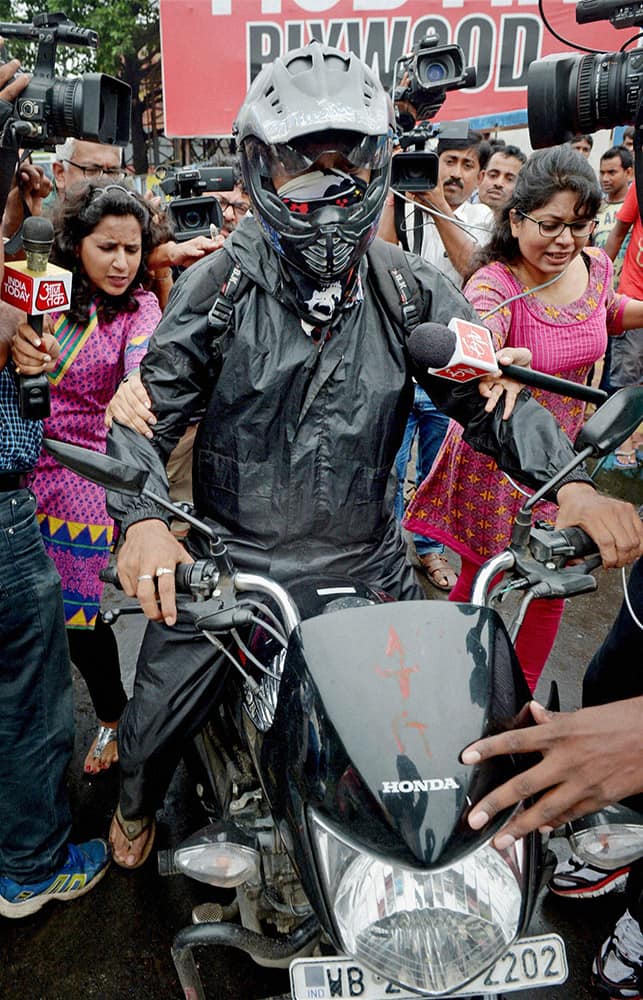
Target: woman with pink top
539,285
104,234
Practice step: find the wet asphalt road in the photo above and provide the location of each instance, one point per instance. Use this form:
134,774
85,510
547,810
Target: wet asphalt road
114,943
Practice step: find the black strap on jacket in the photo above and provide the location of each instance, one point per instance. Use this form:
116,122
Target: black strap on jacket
389,272
395,285
222,311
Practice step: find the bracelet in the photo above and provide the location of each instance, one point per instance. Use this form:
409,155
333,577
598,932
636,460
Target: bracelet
163,274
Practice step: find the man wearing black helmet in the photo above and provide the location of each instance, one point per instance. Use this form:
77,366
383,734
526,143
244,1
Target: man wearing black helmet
287,341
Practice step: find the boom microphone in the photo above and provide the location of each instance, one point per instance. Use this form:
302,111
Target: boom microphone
460,352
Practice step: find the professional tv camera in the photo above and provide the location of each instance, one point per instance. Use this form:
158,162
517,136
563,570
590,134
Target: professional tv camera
569,95
49,110
422,80
191,211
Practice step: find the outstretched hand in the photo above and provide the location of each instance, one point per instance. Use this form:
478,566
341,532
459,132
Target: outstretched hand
591,758
492,387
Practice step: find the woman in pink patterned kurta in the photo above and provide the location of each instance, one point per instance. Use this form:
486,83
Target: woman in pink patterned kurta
541,240
103,235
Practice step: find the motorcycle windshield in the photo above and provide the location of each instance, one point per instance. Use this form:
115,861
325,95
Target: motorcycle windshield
376,705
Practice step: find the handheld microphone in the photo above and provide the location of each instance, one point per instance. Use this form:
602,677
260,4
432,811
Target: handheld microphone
461,351
36,287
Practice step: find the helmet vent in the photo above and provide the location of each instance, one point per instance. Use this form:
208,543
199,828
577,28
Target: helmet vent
273,99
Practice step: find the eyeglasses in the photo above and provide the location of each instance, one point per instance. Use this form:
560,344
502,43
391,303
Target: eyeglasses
549,230
239,208
93,171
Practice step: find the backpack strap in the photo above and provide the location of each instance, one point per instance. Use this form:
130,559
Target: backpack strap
222,311
396,285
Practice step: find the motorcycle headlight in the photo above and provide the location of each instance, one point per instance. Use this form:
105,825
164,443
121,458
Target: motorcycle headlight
432,931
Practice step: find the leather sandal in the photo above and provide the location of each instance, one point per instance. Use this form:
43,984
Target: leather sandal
133,830
439,570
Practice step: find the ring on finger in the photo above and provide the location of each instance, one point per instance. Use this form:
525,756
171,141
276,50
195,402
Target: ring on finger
164,570
145,576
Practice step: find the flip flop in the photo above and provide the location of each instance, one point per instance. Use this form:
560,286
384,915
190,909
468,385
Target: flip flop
439,570
625,459
133,830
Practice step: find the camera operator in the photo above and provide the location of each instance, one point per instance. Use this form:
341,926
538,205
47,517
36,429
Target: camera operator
37,862
234,204
445,228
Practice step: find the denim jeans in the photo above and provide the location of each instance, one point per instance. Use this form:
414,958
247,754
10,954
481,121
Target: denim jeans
430,425
36,717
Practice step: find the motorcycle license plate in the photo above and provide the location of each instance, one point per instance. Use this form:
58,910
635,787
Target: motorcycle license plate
528,964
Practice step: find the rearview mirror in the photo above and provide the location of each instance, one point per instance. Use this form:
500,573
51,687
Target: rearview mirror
613,423
98,468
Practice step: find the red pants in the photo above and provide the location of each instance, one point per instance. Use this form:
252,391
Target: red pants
539,629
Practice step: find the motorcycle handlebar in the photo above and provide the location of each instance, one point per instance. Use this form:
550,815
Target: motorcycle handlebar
184,575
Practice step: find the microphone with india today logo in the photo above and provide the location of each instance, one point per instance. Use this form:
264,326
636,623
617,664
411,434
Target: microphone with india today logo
36,287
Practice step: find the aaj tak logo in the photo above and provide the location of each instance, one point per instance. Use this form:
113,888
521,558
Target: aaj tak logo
33,294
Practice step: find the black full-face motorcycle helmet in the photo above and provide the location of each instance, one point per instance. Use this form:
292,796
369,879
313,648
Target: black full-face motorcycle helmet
310,101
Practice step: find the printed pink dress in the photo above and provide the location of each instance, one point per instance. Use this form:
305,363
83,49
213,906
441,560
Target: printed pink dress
77,530
466,501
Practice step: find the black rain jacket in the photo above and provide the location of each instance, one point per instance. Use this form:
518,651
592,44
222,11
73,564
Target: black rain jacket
294,455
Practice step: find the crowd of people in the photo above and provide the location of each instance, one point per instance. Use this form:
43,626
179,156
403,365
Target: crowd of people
524,245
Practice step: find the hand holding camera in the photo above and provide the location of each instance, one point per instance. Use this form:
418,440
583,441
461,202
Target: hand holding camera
41,110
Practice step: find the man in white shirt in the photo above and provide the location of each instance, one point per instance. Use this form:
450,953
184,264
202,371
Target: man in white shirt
433,228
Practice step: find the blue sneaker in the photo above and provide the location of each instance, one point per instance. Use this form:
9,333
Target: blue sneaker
86,864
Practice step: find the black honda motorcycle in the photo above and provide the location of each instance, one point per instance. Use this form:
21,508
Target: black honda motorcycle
331,775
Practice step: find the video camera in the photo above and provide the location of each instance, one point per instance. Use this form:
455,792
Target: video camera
49,110
423,79
191,211
571,95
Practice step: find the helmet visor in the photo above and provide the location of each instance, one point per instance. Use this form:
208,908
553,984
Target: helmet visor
351,152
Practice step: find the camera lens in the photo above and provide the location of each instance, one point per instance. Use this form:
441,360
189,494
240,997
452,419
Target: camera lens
432,72
193,220
572,95
435,73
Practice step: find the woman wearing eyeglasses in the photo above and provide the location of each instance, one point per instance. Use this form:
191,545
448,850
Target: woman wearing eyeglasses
104,235
538,285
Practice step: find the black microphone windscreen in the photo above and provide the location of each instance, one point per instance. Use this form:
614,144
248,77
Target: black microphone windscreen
431,345
37,229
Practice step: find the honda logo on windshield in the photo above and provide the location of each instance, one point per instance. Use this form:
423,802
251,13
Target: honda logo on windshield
421,785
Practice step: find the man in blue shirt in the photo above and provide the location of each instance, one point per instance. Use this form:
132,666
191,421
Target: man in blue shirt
37,862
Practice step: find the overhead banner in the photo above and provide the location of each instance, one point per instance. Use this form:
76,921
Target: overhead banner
213,49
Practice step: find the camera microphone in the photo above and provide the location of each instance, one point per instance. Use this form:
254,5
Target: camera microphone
35,287
463,351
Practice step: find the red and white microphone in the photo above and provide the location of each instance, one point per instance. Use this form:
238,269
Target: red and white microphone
36,287
463,351
472,355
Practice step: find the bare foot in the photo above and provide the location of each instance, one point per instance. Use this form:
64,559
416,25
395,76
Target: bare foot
131,840
106,746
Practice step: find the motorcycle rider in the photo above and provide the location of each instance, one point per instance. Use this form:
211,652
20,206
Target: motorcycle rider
305,393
